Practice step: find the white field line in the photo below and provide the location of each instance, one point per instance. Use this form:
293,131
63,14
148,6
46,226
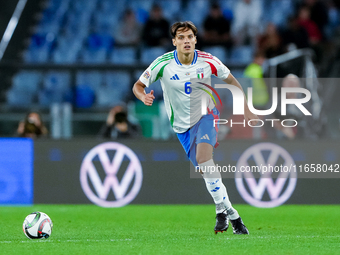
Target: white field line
67,241
127,240
275,237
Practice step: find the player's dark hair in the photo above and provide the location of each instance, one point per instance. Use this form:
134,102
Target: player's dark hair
182,25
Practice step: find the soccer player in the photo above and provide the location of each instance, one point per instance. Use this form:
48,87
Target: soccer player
196,133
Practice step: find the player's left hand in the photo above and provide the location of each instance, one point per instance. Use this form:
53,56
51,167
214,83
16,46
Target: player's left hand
148,98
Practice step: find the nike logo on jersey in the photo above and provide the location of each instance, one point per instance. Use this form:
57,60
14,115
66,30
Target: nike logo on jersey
205,137
175,77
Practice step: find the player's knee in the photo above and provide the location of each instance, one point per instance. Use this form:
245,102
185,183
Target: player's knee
202,159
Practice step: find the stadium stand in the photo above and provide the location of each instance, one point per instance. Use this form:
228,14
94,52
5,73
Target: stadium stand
77,32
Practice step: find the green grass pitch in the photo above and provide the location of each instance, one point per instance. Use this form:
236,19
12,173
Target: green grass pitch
173,229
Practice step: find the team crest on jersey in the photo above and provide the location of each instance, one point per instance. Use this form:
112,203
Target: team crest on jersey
200,73
187,74
146,75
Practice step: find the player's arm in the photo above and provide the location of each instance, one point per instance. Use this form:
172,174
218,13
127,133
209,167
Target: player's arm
138,90
248,115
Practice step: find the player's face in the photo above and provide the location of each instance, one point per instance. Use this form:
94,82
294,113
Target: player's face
185,41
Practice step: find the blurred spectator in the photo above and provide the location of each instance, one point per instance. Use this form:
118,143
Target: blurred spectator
270,43
295,36
156,29
314,34
128,30
318,13
255,72
118,126
337,3
32,126
312,29
247,15
216,28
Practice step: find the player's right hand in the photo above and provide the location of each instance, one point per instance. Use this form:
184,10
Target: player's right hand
148,98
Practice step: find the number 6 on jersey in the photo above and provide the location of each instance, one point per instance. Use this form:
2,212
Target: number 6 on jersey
187,88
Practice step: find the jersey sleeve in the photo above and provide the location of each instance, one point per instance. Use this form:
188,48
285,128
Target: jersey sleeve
153,72
148,77
222,71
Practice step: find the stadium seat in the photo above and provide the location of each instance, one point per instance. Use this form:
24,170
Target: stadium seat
58,81
79,6
334,22
117,85
100,40
170,8
93,56
278,11
77,24
241,55
112,6
118,80
105,19
49,27
36,55
98,45
46,97
93,79
19,98
67,50
40,47
53,5
64,56
141,15
228,14
27,81
227,4
150,54
140,8
146,5
196,11
217,51
85,96
108,97
124,55
52,17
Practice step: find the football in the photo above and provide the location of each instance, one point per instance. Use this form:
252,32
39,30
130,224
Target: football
37,225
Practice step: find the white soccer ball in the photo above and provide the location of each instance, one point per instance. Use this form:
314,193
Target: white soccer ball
37,225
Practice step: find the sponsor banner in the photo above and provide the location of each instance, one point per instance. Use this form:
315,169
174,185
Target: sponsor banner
16,171
157,172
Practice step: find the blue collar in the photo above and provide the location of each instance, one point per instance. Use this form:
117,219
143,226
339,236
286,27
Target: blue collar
179,63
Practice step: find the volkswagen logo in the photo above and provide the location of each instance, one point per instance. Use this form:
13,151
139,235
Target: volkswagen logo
252,188
98,179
